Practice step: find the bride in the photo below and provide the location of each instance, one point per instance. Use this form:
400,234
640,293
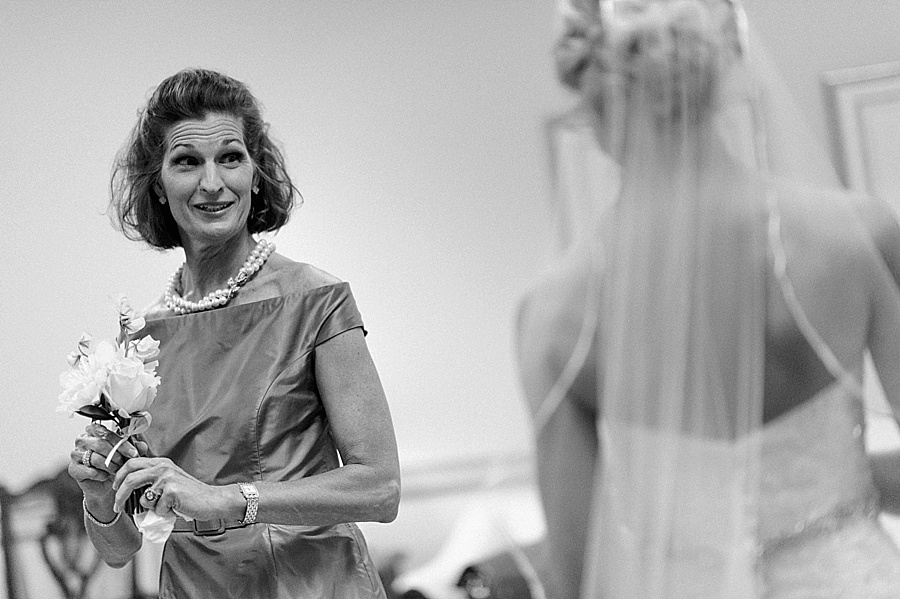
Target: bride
694,361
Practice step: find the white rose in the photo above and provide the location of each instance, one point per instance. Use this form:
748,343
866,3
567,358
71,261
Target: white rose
131,387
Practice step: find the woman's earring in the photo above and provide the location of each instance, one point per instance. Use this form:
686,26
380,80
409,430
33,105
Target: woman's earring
255,189
162,200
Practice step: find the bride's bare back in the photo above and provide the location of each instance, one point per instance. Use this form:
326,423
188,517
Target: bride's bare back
831,270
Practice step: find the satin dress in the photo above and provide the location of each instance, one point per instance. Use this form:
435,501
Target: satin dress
238,402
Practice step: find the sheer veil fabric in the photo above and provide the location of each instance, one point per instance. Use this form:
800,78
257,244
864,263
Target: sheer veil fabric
715,170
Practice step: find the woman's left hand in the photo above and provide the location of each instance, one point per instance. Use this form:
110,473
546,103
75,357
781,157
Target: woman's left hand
175,489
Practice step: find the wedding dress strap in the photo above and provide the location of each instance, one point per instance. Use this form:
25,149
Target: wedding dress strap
779,265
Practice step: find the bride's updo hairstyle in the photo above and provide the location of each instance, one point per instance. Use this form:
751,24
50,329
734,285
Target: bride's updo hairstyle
669,54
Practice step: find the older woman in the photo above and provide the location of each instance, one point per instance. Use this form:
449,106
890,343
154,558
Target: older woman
271,434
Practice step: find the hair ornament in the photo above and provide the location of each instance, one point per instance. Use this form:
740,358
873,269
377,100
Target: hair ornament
577,45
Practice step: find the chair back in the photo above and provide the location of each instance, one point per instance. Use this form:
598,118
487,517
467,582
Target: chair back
46,551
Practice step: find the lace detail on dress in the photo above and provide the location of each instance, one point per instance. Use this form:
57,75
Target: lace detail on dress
817,526
819,535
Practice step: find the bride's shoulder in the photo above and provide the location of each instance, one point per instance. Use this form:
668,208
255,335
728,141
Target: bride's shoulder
550,313
883,226
845,224
561,281
549,324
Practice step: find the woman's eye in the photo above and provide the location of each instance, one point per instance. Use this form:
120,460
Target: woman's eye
232,158
184,161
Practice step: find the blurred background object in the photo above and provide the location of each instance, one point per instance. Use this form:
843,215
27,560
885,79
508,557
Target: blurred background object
47,554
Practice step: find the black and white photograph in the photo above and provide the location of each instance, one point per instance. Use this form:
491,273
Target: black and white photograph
450,299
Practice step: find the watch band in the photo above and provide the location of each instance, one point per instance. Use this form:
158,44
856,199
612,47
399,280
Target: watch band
251,494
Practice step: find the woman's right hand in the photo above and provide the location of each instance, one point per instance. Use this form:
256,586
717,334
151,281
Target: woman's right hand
87,461
87,465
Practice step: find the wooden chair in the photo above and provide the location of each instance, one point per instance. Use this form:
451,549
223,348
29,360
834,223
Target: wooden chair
46,551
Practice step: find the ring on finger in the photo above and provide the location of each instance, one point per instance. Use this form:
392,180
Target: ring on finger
151,496
86,458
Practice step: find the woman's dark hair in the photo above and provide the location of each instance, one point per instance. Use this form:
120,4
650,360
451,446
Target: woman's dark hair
193,94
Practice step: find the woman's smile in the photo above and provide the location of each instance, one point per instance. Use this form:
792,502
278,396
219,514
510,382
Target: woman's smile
213,208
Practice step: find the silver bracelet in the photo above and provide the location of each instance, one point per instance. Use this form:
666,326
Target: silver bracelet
251,494
93,520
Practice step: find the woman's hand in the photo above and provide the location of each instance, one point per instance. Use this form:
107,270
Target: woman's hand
87,465
87,461
173,489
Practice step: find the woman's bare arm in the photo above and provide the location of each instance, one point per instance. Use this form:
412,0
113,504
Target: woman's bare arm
884,334
365,488
566,449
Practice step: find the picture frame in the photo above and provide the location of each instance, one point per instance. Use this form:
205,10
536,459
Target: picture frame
583,178
863,112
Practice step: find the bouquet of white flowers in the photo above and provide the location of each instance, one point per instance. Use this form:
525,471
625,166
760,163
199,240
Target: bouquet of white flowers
113,380
116,380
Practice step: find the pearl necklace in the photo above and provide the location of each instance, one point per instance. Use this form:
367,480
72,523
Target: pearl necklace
219,297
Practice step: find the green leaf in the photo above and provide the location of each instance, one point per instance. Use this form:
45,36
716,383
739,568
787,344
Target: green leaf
94,413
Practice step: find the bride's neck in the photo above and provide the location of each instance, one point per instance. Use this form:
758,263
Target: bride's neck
673,146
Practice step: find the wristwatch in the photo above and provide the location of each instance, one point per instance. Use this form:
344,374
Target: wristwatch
251,494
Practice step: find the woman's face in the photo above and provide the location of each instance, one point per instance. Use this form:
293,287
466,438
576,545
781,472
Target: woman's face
207,177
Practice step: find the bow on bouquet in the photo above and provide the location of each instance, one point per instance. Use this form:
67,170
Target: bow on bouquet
113,380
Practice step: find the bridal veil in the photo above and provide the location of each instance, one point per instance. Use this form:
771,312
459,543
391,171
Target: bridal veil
716,181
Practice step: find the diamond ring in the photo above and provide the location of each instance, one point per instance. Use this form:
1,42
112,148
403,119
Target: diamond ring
151,496
86,458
